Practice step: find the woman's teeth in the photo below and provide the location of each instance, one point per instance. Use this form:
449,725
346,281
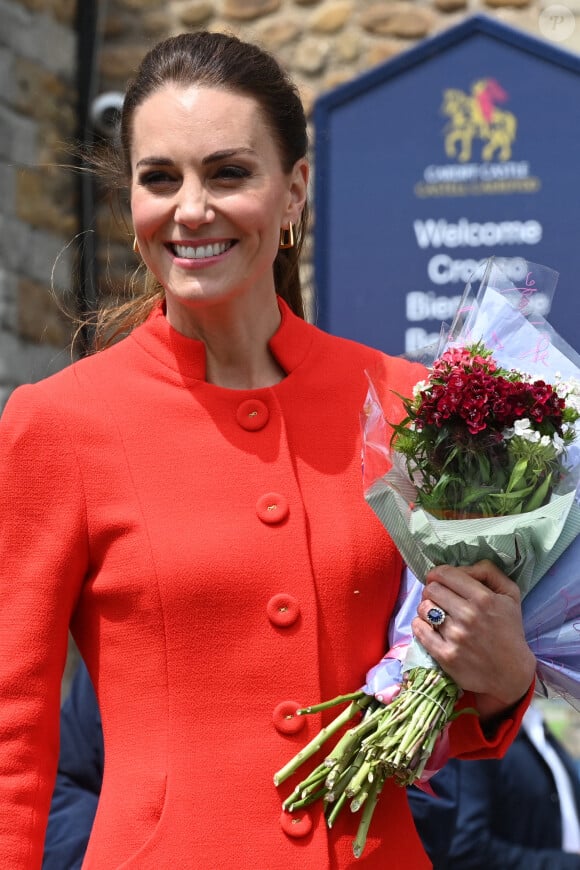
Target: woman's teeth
199,252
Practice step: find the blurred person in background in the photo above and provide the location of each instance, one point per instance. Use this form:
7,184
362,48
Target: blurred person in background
520,812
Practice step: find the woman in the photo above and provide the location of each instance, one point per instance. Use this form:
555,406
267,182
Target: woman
189,500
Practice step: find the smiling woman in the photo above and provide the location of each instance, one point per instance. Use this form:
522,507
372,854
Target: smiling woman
208,219
189,501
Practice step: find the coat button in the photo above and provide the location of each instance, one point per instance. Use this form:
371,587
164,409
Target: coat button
298,824
252,415
285,719
272,508
283,610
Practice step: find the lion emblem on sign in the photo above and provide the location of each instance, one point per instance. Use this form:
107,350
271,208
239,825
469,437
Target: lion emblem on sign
475,117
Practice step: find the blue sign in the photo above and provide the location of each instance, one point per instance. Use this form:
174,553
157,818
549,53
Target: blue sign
463,148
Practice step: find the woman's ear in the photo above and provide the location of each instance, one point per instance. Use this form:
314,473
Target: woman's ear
298,189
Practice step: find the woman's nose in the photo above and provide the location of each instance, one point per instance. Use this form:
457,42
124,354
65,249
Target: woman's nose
193,206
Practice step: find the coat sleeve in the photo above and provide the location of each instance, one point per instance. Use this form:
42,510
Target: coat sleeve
43,560
469,740
79,777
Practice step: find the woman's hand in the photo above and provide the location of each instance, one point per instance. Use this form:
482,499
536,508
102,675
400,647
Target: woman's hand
481,644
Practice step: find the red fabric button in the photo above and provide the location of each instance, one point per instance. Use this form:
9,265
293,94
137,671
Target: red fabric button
283,610
272,508
285,719
298,824
252,415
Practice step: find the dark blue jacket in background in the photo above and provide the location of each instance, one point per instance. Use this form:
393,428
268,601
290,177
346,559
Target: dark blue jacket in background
508,812
78,783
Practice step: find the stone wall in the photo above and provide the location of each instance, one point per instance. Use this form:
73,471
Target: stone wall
37,198
322,42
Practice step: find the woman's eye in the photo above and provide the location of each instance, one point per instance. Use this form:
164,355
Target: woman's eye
157,176
232,172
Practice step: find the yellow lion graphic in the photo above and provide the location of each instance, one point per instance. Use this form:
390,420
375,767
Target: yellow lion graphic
476,116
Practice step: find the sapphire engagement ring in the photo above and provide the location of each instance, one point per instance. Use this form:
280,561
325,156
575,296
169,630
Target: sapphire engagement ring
436,617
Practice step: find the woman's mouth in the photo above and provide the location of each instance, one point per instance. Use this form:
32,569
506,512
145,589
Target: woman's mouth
200,252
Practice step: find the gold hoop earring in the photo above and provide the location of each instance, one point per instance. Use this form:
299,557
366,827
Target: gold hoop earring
287,237
136,246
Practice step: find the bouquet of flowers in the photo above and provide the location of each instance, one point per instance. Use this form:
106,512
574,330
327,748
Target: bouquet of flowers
485,464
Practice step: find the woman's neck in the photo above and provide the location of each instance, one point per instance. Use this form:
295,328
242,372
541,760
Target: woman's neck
236,343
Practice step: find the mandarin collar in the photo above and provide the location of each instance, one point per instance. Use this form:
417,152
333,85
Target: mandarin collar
186,356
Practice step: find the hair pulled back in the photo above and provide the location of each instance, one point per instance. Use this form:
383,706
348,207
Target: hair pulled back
219,60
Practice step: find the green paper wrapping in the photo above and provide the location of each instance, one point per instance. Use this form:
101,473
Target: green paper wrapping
524,546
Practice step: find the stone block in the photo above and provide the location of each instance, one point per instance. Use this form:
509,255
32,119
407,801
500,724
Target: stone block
7,59
248,10
63,11
331,17
154,24
41,94
52,45
501,4
311,55
276,33
52,259
119,62
45,199
138,5
8,301
4,393
16,23
451,5
336,77
403,20
7,187
36,254
382,51
41,319
347,46
195,13
18,137
22,362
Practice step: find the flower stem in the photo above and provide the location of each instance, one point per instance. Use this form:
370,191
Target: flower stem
317,742
334,702
394,740
367,814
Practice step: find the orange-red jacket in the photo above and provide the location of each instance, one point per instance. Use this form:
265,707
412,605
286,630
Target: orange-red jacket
214,556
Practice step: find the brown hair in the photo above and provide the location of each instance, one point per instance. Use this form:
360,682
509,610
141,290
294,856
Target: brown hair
215,60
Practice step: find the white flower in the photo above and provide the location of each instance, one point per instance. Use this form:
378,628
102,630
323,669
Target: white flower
558,443
569,391
523,429
420,387
521,426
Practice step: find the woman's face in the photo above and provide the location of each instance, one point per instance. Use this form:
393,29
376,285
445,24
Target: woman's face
209,195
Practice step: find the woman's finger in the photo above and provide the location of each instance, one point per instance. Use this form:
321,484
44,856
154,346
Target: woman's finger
460,580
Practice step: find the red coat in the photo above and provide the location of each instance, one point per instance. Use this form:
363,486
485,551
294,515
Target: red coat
217,562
